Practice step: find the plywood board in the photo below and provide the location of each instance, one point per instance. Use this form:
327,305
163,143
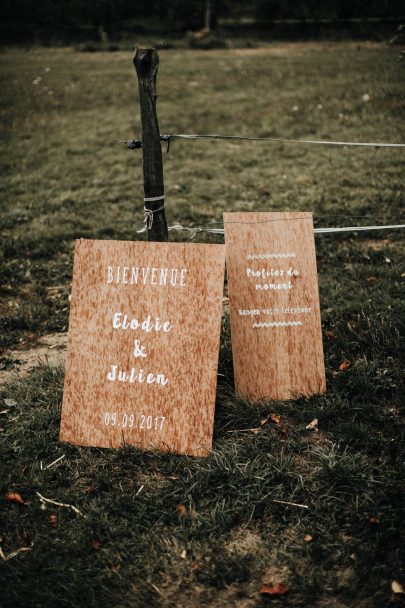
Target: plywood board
143,345
274,305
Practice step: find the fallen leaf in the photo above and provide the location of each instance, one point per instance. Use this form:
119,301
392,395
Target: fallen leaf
312,426
195,566
277,589
374,520
15,497
331,335
96,544
183,554
10,402
276,418
344,366
53,519
308,538
397,587
181,510
372,280
90,490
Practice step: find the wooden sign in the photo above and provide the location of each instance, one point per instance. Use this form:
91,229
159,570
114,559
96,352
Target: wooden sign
143,345
274,304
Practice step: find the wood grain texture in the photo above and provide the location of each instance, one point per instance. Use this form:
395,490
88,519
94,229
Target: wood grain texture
274,304
186,356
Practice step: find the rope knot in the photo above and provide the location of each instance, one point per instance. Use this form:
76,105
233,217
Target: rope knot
148,219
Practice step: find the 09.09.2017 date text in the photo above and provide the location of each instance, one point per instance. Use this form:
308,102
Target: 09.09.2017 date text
134,421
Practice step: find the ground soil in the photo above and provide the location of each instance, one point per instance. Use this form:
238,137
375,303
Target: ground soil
49,349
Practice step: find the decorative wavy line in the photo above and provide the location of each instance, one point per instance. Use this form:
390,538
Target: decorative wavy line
278,324
268,256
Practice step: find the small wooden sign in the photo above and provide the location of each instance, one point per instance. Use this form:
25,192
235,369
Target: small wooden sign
274,305
143,345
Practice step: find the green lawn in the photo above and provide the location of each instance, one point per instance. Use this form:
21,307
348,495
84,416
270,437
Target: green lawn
171,531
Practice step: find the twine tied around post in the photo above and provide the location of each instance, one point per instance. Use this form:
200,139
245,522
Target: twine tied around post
148,219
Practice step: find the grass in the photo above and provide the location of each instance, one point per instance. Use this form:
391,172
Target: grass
207,531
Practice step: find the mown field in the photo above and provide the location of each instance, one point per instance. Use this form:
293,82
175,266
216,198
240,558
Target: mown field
165,530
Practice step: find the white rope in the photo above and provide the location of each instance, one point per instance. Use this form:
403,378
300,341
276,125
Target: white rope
318,142
152,199
357,228
148,219
196,229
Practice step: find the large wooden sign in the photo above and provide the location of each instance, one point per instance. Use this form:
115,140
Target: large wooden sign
274,304
143,345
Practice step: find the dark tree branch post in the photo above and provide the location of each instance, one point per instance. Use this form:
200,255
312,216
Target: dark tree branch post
146,63
207,16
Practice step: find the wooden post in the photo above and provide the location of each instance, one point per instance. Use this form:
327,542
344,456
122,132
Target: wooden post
146,63
207,16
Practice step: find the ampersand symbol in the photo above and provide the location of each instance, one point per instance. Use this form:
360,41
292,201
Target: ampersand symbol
139,350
